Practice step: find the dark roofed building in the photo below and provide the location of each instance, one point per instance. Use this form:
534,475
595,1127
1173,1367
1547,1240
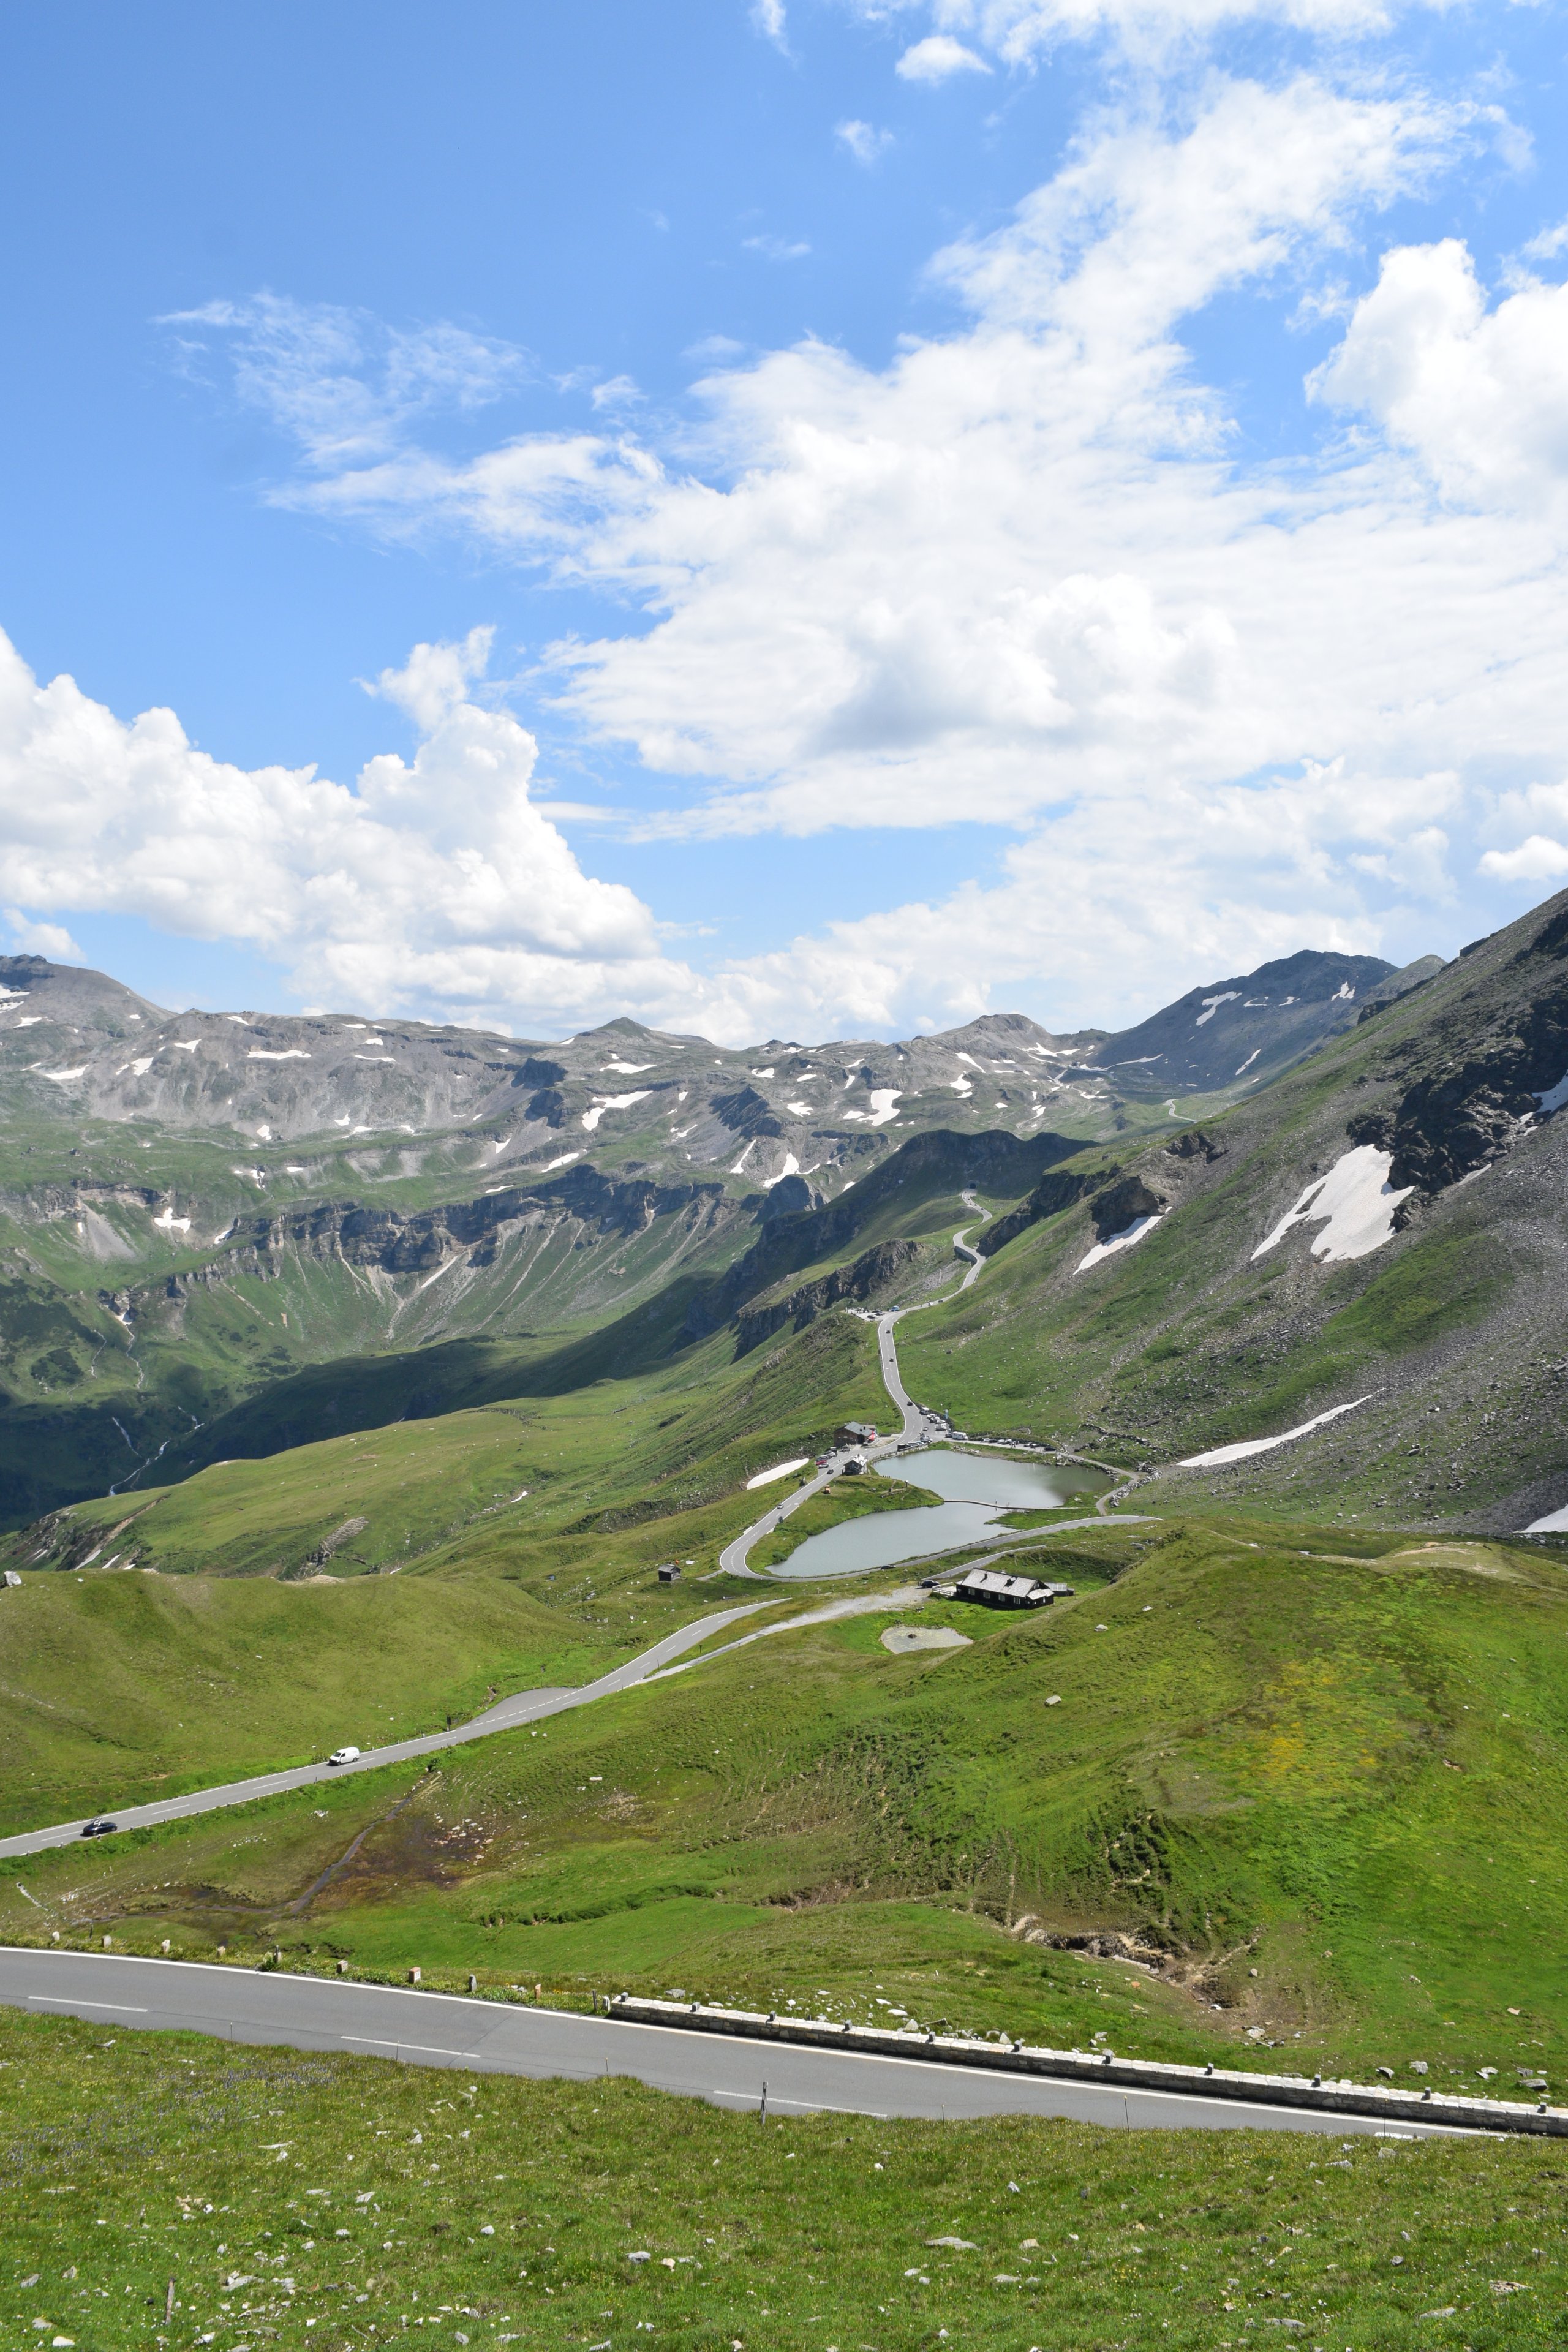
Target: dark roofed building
994,1590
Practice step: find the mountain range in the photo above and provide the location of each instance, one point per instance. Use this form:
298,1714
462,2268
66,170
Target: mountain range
196,1206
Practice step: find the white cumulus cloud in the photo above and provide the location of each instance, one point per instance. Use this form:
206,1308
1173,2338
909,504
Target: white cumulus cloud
51,940
1534,820
1017,575
777,248
937,59
1017,549
1479,394
346,386
1019,33
434,878
768,20
1539,859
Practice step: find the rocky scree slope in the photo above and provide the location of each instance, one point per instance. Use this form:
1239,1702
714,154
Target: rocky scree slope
1233,1035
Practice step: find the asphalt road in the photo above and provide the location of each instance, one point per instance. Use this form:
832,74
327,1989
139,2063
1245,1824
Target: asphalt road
524,1706
424,2029
917,1426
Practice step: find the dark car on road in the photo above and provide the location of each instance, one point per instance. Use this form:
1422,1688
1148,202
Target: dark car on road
99,1828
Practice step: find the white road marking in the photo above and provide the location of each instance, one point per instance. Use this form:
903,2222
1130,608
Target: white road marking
386,2041
70,2000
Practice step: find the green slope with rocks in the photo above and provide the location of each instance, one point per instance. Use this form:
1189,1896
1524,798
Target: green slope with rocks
1430,1302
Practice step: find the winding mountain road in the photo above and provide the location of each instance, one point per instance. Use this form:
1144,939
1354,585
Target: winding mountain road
917,1426
429,2029
488,2037
523,1706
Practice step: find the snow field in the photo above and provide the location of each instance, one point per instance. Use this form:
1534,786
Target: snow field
1123,1240
613,1102
779,1470
1357,1202
1249,1445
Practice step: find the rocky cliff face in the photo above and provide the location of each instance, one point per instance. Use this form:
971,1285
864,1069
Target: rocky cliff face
403,1244
1494,1064
462,1242
870,1273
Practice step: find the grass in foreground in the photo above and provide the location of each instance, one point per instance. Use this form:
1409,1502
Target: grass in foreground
164,2189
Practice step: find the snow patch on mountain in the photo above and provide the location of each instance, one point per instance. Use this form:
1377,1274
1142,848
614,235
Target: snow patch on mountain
613,1102
1250,1446
1125,1239
779,1470
884,1104
1357,1202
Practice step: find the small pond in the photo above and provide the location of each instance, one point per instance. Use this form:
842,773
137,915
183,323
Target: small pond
977,1488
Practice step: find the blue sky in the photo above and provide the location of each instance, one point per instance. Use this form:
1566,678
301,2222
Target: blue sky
859,515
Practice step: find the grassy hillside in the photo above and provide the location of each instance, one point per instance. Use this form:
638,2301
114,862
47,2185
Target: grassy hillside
130,1688
1312,1742
618,1451
1337,1767
390,1580
127,1353
258,2190
130,1357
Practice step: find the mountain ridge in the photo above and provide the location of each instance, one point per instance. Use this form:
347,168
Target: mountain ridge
159,1267
320,1082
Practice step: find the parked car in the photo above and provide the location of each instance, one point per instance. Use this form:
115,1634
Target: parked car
343,1755
99,1828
